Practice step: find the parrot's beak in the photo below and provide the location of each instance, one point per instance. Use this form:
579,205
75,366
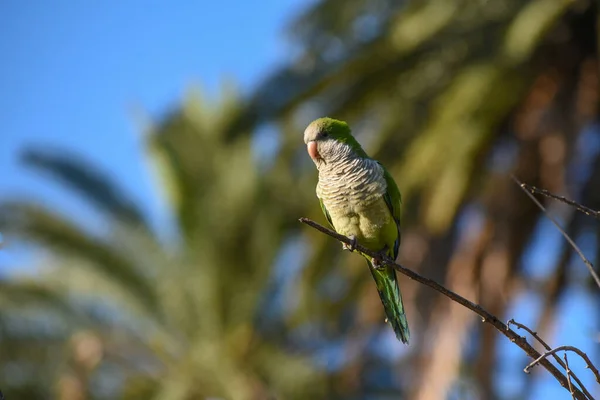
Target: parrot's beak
311,147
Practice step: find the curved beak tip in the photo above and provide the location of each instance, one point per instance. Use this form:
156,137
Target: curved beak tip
311,147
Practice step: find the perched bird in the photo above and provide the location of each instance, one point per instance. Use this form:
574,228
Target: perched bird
360,200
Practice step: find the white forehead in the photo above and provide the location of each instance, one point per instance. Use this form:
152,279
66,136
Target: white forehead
311,133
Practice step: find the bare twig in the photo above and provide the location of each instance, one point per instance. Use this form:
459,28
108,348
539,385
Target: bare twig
568,239
579,207
485,315
548,348
581,354
532,333
568,371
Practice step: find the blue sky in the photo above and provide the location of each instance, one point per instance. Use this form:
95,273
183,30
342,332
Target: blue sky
73,72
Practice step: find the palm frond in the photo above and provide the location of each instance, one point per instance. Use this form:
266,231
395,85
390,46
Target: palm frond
88,181
58,233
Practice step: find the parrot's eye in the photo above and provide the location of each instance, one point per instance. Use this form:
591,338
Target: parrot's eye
324,134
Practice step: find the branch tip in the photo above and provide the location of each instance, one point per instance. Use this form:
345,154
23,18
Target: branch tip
579,207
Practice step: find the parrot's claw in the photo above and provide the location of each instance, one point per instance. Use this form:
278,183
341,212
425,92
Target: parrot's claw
377,260
352,246
377,263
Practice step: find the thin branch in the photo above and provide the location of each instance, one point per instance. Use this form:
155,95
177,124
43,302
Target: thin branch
485,315
532,333
579,207
565,235
581,354
568,375
548,348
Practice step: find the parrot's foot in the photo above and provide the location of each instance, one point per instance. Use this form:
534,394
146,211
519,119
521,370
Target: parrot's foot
352,246
377,261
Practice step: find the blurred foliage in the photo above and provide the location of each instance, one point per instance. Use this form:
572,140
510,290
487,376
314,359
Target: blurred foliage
238,301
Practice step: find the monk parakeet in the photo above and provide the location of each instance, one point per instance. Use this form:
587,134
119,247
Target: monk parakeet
360,200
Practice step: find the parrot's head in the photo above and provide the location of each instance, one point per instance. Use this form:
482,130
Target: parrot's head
329,140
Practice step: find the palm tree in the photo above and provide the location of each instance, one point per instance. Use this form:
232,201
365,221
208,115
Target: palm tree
120,312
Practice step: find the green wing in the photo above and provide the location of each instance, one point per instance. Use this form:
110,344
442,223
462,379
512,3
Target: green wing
326,213
393,199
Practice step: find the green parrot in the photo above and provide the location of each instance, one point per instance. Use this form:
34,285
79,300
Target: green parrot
360,200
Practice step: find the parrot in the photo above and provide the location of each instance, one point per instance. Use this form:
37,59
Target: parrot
360,200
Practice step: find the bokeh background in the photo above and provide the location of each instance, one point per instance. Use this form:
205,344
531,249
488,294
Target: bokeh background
153,171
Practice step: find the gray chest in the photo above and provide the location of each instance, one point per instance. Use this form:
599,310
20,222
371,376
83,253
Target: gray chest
351,186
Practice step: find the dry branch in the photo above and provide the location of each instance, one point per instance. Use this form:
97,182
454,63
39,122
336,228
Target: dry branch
580,353
564,364
568,371
579,207
485,315
561,230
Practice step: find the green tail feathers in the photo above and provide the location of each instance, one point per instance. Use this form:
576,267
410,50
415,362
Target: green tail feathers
389,292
